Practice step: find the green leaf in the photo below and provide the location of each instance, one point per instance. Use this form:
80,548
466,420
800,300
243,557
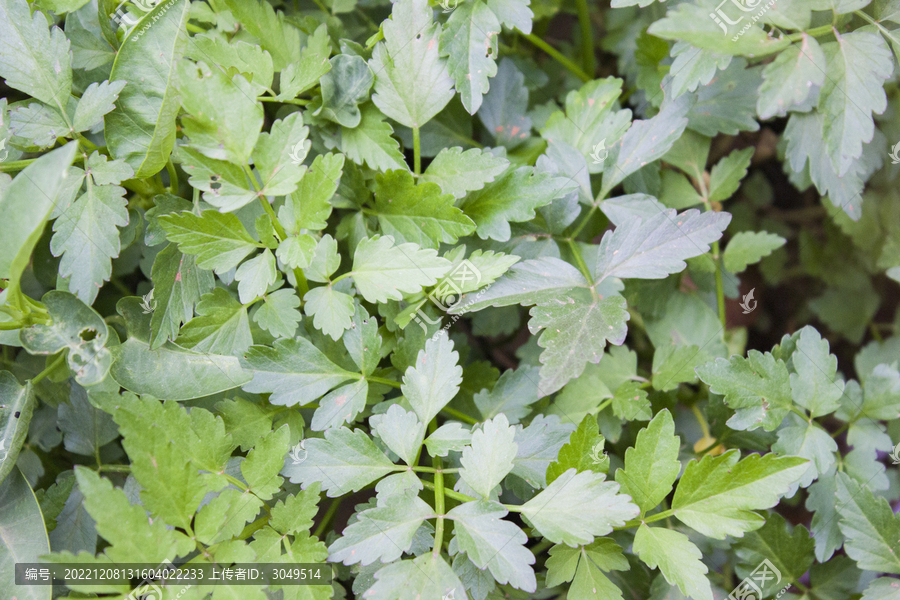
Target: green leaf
677,557
586,564
345,461
490,456
716,495
513,393
24,208
512,197
325,260
178,284
583,452
96,101
882,393
33,59
331,310
341,405
383,533
254,276
657,246
630,402
419,214
15,415
470,42
813,384
824,526
295,513
76,327
575,333
789,80
219,240
790,553
224,184
412,83
383,270
225,516
883,588
85,428
447,437
434,379
371,143
310,205
673,365
301,75
869,525
87,238
245,421
401,431
23,535
428,576
858,63
105,172
344,87
224,118
363,342
278,313
220,327
505,105
125,526
458,172
652,466
757,387
726,176
254,63
275,34
810,442
141,130
260,468
278,154
493,543
750,247
576,507
294,371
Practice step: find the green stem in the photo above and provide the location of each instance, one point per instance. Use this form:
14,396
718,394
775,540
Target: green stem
236,482
459,415
604,404
582,266
720,289
297,101
801,413
438,496
15,165
556,55
541,546
195,29
637,522
587,37
584,221
49,369
701,420
463,498
417,152
173,177
116,468
390,382
815,31
433,470
86,142
327,518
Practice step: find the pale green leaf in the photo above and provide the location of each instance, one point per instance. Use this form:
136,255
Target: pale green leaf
789,80
383,270
15,415
219,240
748,248
651,466
677,557
371,143
869,525
340,405
427,577
470,42
279,153
278,313
458,172
220,327
434,379
331,310
490,456
345,86
254,276
23,536
511,395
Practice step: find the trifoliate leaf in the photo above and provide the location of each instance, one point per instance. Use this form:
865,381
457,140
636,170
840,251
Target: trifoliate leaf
677,558
383,270
219,240
490,456
419,214
434,379
345,461
87,238
426,577
577,507
278,313
758,387
716,495
294,371
493,543
651,466
412,83
458,172
750,247
383,533
583,452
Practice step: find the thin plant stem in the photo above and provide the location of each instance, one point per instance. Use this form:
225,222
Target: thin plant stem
556,55
589,61
417,152
49,369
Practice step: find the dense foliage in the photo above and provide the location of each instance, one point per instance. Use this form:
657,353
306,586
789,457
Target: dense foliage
470,299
